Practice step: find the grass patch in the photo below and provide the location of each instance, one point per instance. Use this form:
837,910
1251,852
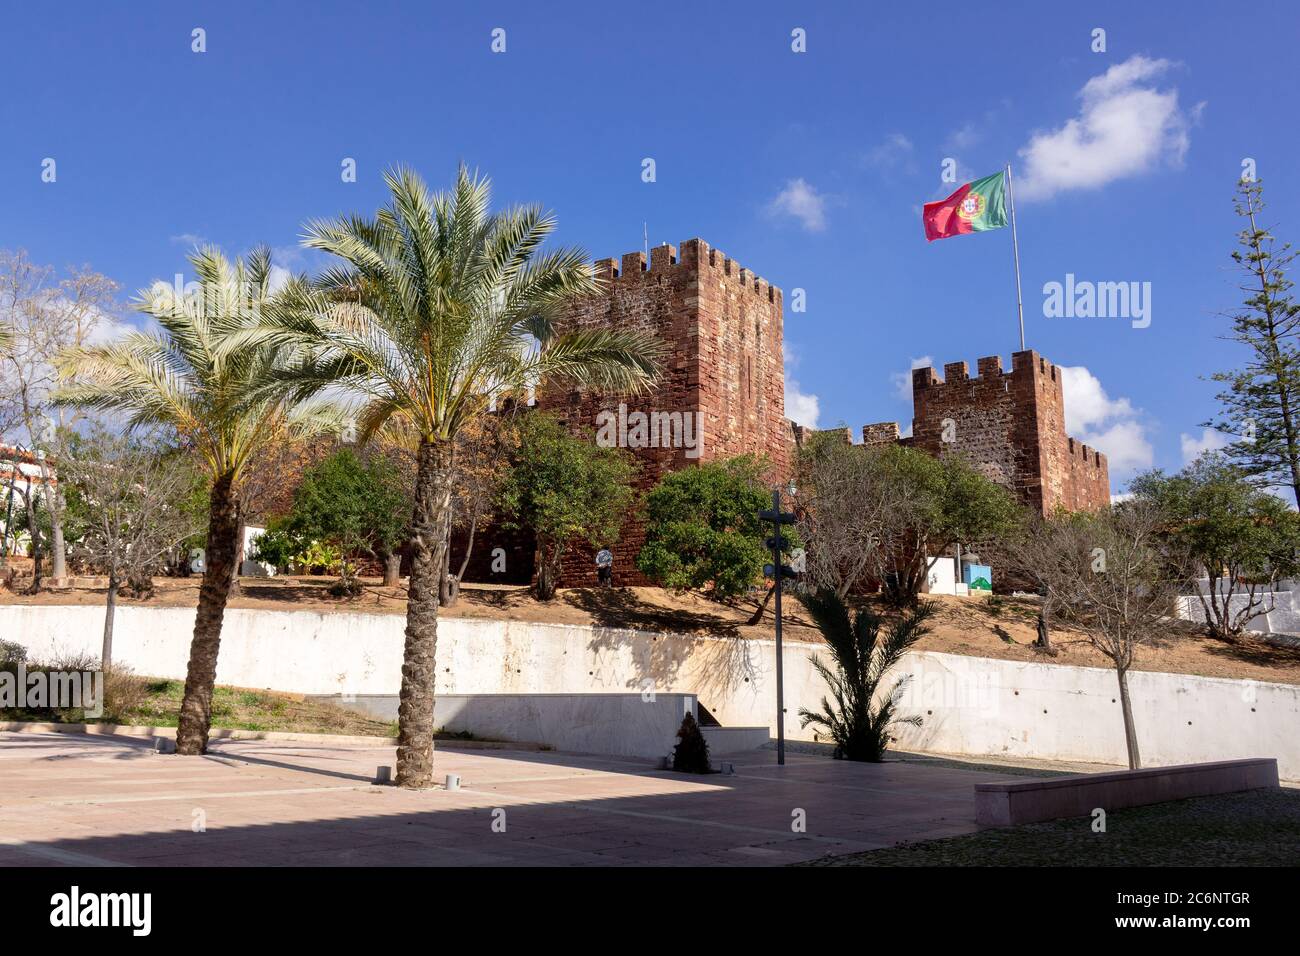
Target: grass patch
240,709
1255,828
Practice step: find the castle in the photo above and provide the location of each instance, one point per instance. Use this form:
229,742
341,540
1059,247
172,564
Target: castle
725,370
722,393
1009,425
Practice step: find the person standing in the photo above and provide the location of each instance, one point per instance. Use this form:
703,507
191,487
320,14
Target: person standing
605,567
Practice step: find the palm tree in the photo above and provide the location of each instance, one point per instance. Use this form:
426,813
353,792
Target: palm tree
181,378
858,722
439,309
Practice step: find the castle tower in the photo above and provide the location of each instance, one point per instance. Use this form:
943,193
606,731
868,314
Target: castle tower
722,385
1011,426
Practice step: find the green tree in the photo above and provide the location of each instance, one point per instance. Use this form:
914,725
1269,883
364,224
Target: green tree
1240,538
566,490
932,504
703,530
357,506
439,309
1261,403
184,378
860,716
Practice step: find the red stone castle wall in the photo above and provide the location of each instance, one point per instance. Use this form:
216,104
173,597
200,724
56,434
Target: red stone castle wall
1011,426
723,325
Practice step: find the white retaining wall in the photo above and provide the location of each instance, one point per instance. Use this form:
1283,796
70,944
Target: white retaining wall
969,705
622,725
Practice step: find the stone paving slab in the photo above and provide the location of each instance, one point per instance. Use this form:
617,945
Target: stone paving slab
69,799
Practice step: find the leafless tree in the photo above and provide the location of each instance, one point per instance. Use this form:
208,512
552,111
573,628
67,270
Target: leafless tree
42,316
129,494
845,513
1114,580
1034,554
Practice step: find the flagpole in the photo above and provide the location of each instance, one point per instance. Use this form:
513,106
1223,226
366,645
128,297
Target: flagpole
1015,246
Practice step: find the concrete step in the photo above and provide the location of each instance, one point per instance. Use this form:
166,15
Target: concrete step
730,740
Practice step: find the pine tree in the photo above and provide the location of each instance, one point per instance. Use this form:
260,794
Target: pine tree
1261,403
691,755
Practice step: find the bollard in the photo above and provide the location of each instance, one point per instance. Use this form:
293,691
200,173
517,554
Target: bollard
452,782
383,775
164,745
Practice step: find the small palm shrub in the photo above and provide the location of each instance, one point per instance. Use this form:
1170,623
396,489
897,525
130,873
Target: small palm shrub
691,754
857,716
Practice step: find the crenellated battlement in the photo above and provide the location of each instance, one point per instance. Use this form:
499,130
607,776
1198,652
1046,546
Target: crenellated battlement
695,256
1027,363
1012,425
1086,454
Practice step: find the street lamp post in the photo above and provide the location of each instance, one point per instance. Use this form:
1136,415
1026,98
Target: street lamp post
778,572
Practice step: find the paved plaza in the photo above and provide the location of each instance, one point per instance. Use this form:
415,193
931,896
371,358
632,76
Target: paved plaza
99,800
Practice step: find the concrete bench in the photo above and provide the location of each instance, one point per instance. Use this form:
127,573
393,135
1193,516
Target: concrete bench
1031,801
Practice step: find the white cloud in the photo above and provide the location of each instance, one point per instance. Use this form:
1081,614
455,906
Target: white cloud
902,381
189,239
1110,425
1124,444
894,151
964,138
1194,447
801,407
1086,402
279,278
801,200
109,328
1126,126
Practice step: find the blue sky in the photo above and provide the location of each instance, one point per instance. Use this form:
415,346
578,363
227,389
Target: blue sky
809,168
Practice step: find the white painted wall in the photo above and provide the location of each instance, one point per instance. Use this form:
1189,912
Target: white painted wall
969,705
941,576
249,567
627,725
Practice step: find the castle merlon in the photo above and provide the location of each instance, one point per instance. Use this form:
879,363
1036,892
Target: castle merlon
695,255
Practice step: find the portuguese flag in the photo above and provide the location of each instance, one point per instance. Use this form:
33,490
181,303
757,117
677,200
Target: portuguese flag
976,207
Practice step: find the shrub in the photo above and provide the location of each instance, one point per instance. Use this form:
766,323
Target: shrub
703,530
691,754
858,720
124,692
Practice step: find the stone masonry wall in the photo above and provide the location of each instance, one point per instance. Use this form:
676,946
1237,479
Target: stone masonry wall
723,325
1011,426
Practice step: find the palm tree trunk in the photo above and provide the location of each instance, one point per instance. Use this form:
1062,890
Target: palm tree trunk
201,675
110,608
1130,732
433,479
